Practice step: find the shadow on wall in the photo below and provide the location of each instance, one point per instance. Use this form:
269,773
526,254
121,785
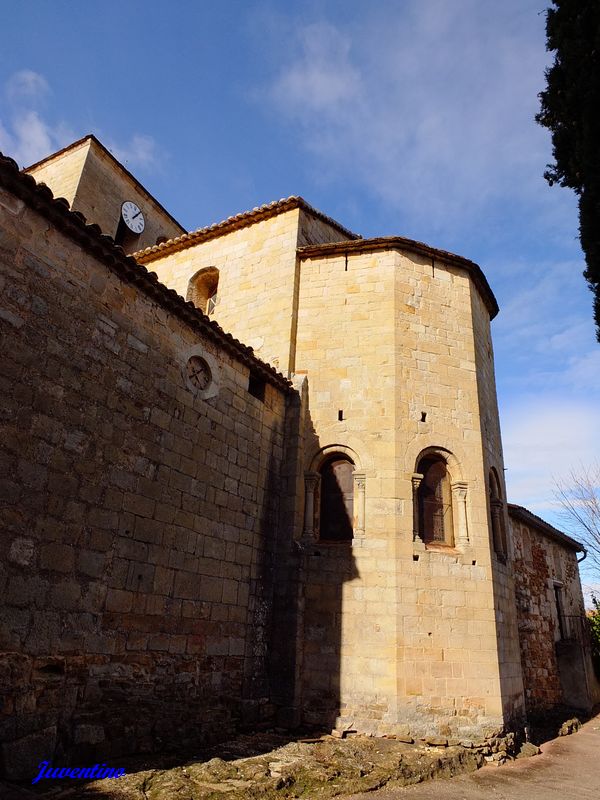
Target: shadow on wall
137,555
314,561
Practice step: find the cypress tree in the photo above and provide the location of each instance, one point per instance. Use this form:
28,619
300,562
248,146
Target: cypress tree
570,108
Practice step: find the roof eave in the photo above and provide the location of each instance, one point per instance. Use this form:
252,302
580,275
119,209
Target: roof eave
529,518
236,222
401,243
39,197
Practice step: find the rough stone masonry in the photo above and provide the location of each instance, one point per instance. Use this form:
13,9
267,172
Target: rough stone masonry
192,541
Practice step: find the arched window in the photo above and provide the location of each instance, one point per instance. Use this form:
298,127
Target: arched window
497,514
202,289
434,499
336,509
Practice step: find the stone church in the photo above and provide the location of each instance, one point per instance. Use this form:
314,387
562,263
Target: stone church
252,474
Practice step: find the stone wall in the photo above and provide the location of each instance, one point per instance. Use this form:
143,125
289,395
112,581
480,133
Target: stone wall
543,562
140,516
258,278
256,282
162,566
452,609
501,553
313,229
62,172
345,346
398,635
96,185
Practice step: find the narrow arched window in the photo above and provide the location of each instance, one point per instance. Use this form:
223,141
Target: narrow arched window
434,499
497,514
336,508
203,289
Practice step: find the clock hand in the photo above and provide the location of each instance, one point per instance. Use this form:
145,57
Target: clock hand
136,215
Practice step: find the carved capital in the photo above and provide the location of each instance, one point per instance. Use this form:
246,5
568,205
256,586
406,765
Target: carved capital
360,481
416,479
311,480
459,488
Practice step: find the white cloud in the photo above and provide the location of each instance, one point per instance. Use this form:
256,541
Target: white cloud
33,137
545,332
546,437
26,85
432,104
27,135
6,142
322,79
583,371
141,152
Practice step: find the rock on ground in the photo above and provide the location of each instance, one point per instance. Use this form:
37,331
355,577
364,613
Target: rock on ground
266,767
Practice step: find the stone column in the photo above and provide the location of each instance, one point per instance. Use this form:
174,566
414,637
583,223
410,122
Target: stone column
416,482
459,491
496,511
359,503
311,481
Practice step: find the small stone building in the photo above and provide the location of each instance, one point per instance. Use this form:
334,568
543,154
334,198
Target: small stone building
555,654
262,481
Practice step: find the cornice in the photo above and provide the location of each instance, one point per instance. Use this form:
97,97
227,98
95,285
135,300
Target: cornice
234,223
529,518
400,243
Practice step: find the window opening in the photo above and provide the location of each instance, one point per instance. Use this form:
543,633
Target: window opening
256,386
497,515
560,612
435,502
202,289
337,499
212,301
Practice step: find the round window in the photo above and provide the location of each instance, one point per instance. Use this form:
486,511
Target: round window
198,372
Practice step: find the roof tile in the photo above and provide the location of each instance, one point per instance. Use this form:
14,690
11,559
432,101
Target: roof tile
102,246
234,222
529,518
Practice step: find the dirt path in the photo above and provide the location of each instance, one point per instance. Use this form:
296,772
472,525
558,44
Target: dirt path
568,768
271,767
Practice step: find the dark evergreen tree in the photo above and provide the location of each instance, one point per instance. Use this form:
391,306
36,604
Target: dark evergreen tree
570,108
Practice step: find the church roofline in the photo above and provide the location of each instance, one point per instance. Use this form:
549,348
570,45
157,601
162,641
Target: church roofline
73,224
529,518
91,138
236,222
401,243
73,146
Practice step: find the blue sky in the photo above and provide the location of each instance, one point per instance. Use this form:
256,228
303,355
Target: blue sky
412,117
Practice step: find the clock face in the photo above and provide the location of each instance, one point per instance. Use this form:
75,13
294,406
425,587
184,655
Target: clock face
199,372
132,216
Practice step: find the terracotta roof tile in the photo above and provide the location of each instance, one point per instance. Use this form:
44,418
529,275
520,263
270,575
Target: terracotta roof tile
39,197
401,243
235,222
529,518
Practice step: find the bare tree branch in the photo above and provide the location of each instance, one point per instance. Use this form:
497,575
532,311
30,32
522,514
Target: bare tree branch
579,497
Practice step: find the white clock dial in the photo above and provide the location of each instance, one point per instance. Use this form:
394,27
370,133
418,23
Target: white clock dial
132,216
